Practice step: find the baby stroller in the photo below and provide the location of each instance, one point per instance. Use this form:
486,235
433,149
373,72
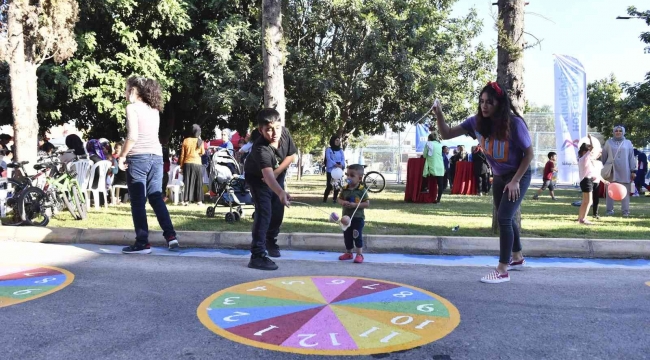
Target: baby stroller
230,187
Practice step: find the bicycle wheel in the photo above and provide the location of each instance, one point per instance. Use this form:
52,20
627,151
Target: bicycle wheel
32,204
69,205
79,202
374,181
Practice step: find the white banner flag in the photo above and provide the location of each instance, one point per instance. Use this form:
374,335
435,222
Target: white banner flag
570,114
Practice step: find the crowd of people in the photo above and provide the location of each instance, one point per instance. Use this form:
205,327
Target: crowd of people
504,153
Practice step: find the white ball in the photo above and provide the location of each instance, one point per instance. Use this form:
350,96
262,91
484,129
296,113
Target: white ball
337,173
594,141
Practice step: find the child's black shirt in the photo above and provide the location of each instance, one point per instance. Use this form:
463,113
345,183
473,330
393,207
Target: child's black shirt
264,155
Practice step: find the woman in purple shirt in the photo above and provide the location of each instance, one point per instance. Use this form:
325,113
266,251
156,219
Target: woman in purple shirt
503,135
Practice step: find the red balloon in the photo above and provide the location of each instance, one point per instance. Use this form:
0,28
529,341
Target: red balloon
616,191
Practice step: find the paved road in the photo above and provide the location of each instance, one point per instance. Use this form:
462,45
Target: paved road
145,307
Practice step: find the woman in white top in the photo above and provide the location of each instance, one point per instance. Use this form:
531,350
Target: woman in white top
141,158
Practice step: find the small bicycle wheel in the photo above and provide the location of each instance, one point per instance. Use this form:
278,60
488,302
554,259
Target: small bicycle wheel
68,204
230,218
209,212
79,202
240,211
33,209
374,181
237,216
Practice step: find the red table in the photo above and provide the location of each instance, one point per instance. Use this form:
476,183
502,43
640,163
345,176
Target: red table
464,181
414,180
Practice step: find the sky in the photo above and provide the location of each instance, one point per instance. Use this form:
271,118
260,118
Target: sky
585,29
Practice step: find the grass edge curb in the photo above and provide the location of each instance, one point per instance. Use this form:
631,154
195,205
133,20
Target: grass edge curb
406,244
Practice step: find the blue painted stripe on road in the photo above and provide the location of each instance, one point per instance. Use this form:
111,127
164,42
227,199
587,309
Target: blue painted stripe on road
432,260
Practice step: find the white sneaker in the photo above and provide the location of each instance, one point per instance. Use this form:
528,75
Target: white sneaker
495,278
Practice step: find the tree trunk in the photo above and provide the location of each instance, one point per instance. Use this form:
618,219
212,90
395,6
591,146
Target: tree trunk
510,66
273,56
23,81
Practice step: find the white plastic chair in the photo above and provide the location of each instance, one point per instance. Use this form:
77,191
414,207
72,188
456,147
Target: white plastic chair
103,167
82,168
175,186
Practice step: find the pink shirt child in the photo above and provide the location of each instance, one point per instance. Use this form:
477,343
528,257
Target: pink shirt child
587,167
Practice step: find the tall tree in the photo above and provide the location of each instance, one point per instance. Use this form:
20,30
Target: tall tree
204,53
34,32
273,54
356,66
605,104
612,103
511,43
510,64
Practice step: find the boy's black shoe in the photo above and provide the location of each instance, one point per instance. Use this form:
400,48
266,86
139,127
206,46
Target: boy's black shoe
137,248
273,251
262,263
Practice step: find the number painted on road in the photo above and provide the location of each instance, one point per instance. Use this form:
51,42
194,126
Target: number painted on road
236,314
403,294
425,308
26,291
229,301
259,288
293,282
336,282
44,281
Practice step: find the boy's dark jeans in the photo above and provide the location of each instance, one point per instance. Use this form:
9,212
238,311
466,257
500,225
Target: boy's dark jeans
262,195
508,230
144,180
353,236
277,215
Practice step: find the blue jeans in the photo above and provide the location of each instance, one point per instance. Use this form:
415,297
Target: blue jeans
144,180
509,239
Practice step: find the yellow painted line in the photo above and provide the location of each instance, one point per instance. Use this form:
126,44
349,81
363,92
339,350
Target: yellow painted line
451,323
69,277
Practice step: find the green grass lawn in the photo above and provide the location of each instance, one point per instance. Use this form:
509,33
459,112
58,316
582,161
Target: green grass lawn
390,215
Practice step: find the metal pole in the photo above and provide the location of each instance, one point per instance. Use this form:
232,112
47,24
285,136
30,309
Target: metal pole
399,157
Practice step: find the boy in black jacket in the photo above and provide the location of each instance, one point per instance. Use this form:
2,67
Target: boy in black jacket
265,169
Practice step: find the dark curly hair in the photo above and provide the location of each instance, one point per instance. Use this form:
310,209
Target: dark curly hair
148,89
500,124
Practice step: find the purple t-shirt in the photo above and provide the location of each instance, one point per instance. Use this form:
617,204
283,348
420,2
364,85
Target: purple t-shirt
504,156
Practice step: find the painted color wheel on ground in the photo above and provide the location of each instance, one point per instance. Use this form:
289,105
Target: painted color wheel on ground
24,283
334,315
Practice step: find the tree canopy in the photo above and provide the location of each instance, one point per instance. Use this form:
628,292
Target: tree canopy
352,66
611,103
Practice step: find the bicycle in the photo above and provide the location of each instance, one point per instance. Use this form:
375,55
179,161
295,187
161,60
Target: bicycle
28,202
374,181
62,188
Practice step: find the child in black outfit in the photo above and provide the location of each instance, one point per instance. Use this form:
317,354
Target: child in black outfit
265,170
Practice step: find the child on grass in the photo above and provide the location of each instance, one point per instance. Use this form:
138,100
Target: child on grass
549,170
353,194
589,175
